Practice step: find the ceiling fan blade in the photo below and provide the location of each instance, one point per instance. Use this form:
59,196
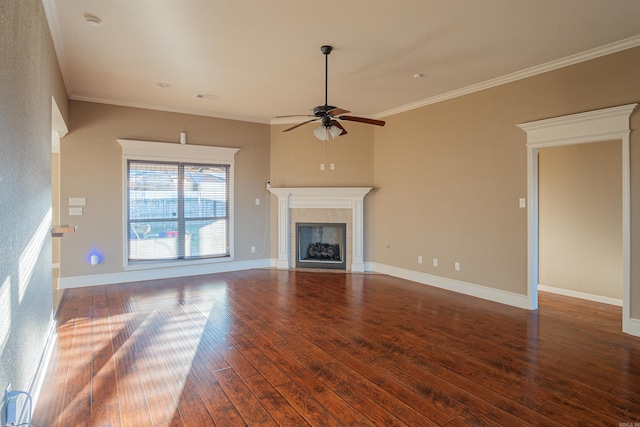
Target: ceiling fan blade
362,120
293,115
339,126
299,124
337,111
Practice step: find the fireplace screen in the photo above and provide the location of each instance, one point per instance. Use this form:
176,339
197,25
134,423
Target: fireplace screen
321,245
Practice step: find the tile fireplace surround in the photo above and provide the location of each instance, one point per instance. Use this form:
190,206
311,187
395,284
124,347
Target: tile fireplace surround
321,204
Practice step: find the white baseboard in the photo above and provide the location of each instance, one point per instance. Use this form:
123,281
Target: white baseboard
581,295
160,273
38,377
471,289
631,326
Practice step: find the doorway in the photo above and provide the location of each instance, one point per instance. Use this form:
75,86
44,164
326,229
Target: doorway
580,221
610,124
58,130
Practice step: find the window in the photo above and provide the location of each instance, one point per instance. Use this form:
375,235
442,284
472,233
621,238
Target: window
178,202
177,211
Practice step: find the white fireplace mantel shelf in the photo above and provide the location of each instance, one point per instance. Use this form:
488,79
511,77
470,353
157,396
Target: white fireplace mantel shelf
321,198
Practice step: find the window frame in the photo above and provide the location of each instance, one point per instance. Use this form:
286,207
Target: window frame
175,153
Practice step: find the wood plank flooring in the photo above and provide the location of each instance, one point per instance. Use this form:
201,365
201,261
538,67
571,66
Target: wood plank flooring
295,348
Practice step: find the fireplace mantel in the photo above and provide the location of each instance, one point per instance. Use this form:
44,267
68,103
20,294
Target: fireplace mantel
321,198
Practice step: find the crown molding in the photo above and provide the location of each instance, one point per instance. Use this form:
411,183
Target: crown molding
519,75
170,109
608,49
58,43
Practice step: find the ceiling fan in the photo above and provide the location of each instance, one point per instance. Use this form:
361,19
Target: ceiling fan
328,114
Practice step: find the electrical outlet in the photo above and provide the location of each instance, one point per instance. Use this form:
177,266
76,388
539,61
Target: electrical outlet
257,201
77,201
253,249
435,262
419,259
457,266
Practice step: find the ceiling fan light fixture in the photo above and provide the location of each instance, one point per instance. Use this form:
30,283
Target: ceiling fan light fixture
335,131
321,133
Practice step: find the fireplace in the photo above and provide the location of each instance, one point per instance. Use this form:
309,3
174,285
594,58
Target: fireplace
321,205
321,245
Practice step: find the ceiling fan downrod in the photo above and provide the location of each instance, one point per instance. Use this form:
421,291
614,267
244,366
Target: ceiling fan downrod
330,115
326,50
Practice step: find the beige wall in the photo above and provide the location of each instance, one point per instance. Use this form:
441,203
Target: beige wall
91,167
448,176
447,182
580,208
296,157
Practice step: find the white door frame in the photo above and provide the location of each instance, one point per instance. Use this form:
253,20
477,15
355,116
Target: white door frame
609,124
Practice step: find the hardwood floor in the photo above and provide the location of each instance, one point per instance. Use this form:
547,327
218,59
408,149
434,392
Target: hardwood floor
294,348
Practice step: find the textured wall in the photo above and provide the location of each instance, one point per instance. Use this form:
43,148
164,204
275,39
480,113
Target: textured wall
28,79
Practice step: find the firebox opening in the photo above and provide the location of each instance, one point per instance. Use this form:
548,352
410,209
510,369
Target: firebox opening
321,245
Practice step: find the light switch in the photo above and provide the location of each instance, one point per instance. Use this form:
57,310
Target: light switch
77,201
75,211
523,202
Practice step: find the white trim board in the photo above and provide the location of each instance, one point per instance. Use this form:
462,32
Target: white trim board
588,55
321,198
609,124
633,327
581,295
173,152
35,385
160,273
466,288
152,150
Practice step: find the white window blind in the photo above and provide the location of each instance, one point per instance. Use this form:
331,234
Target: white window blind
177,211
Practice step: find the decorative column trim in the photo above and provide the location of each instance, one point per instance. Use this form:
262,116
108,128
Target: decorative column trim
321,198
609,124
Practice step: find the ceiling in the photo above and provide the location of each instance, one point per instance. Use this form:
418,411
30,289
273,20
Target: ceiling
256,59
